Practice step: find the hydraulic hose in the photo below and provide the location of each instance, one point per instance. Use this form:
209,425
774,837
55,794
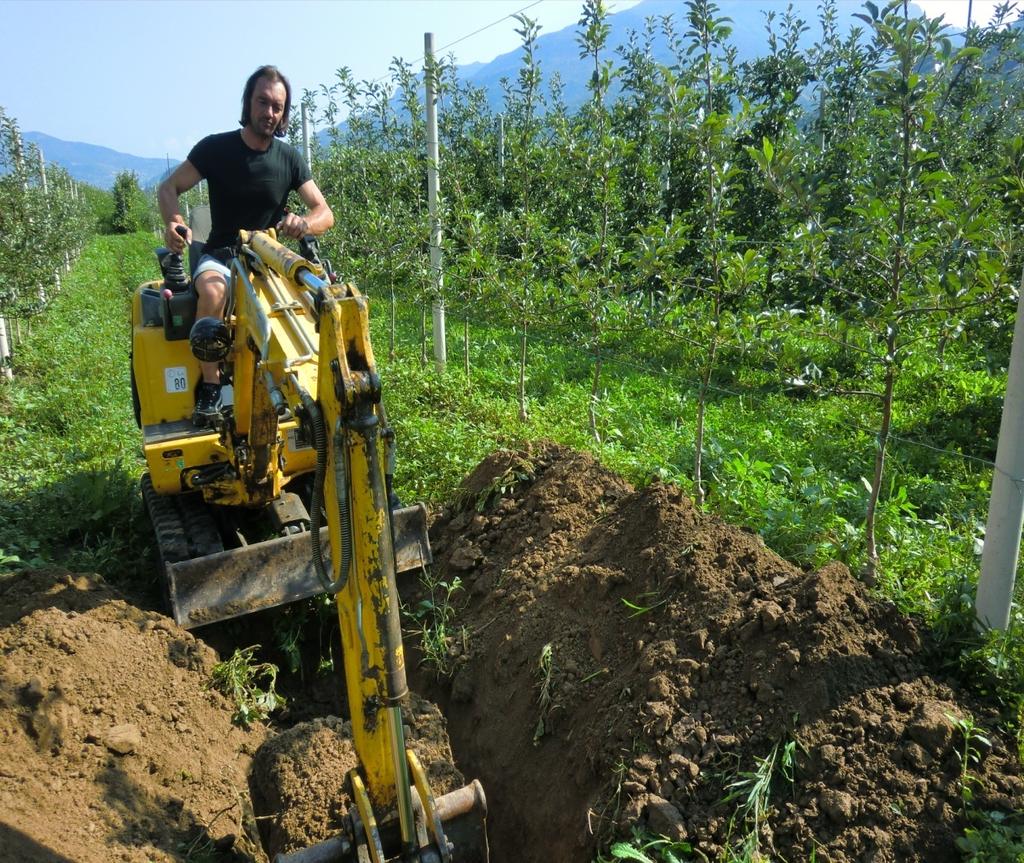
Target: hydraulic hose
341,484
320,445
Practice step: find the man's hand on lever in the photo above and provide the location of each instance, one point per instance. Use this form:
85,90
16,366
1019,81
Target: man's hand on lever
293,226
177,235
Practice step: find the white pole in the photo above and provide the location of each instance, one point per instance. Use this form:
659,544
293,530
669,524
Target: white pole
5,350
1006,507
42,172
20,162
501,147
46,203
305,139
433,183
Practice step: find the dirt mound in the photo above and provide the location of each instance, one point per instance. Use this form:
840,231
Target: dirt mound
113,747
299,777
644,660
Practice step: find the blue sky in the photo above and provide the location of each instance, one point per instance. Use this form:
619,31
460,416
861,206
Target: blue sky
151,77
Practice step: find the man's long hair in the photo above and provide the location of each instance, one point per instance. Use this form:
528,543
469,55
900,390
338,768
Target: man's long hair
272,74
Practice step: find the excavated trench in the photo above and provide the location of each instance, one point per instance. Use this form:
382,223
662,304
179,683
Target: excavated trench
616,657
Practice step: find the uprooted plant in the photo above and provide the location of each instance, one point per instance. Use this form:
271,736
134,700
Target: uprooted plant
753,791
250,685
544,695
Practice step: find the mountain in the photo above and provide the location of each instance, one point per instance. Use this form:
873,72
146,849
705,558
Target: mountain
97,166
559,52
556,52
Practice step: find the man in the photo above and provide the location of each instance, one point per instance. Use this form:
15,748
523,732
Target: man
249,175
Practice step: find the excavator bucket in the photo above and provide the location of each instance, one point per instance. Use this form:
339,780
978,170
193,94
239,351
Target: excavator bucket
460,817
215,587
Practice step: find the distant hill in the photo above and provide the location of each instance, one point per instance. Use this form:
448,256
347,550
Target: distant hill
97,166
557,52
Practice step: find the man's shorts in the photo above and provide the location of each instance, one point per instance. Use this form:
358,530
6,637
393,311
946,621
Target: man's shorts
208,263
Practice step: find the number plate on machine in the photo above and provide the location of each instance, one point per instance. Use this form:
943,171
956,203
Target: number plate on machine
176,379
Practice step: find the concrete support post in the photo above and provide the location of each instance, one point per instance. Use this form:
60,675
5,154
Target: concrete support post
5,351
42,174
1006,506
433,189
305,139
501,147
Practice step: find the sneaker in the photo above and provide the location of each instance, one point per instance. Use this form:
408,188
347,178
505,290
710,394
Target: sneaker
208,405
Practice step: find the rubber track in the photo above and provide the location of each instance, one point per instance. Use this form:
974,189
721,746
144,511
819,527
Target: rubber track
184,527
200,526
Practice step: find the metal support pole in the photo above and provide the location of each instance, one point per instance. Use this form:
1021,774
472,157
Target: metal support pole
305,139
19,160
1006,506
42,173
5,351
501,147
433,184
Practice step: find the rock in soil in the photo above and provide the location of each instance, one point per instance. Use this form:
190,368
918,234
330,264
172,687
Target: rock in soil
634,656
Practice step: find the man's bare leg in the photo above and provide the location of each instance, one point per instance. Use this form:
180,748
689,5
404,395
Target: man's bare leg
211,289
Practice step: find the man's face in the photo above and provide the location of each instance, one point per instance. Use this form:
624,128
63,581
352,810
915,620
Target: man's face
267,107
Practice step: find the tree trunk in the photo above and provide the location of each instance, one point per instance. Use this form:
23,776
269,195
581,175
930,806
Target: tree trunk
698,483
423,335
595,389
871,567
394,309
522,375
894,287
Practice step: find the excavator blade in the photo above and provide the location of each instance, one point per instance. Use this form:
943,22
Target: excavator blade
261,575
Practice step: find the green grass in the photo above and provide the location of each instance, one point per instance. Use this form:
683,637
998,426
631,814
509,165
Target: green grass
790,468
70,452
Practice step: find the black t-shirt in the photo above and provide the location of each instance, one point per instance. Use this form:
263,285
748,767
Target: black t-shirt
248,188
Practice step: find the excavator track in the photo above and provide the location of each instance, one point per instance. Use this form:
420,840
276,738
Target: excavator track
184,528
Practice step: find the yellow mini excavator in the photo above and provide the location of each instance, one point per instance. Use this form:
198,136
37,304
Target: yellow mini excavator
302,436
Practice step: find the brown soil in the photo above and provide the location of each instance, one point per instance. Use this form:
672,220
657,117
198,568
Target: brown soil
682,651
113,747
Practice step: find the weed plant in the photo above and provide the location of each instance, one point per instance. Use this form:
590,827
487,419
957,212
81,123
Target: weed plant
643,847
973,744
752,791
993,837
434,617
